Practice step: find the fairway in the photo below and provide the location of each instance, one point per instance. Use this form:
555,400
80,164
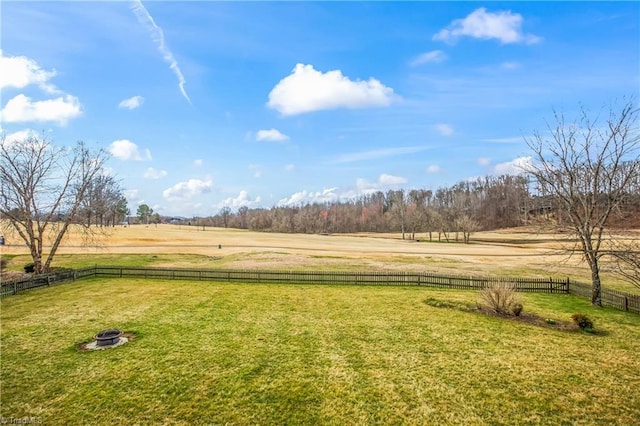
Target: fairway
519,252
241,354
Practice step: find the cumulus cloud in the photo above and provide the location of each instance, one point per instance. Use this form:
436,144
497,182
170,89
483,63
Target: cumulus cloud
444,129
132,196
389,180
59,110
19,72
126,150
131,103
514,167
271,135
188,189
434,56
304,197
503,26
20,135
306,90
240,201
197,163
434,168
384,181
152,173
157,35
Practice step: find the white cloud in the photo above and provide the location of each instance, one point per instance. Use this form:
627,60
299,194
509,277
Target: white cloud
514,167
152,173
132,102
197,163
20,72
384,181
389,180
289,168
306,90
157,35
126,150
504,26
241,200
20,135
60,110
188,189
304,197
484,161
271,135
435,56
444,129
434,168
132,196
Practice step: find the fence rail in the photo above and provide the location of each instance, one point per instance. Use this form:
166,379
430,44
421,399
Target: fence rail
616,299
538,285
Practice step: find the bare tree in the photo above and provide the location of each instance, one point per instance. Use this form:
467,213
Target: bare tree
225,213
467,226
42,188
626,256
587,168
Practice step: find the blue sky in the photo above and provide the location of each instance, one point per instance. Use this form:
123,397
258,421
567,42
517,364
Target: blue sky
212,104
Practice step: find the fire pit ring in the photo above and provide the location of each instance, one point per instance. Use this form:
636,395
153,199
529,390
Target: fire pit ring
108,337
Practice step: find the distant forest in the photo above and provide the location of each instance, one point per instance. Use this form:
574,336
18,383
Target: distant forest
447,213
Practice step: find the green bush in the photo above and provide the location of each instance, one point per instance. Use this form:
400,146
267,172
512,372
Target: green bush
582,321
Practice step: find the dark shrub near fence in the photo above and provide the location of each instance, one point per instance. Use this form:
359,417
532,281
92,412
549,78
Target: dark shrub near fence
619,300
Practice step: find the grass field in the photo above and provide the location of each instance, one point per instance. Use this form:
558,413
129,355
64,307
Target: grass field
515,252
292,354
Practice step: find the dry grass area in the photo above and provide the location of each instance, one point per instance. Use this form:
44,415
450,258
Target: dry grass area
511,252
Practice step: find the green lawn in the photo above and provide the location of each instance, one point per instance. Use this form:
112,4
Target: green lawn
292,354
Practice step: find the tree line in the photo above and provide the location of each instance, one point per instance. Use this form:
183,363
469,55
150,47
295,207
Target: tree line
491,202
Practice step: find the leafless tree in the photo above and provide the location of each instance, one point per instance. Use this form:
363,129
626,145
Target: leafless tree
42,187
586,167
467,226
626,258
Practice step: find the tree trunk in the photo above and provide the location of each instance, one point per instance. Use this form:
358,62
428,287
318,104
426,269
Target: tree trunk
596,296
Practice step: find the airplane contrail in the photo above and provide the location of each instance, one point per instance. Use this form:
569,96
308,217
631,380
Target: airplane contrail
157,36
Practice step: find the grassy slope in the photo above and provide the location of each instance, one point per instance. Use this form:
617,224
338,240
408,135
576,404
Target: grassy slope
277,354
505,253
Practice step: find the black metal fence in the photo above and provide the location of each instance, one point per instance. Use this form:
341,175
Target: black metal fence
616,299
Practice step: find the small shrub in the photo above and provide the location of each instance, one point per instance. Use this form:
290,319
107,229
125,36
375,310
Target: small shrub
501,298
517,309
582,321
550,321
30,268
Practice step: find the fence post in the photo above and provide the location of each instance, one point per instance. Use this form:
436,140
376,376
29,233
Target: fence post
626,304
15,287
566,290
